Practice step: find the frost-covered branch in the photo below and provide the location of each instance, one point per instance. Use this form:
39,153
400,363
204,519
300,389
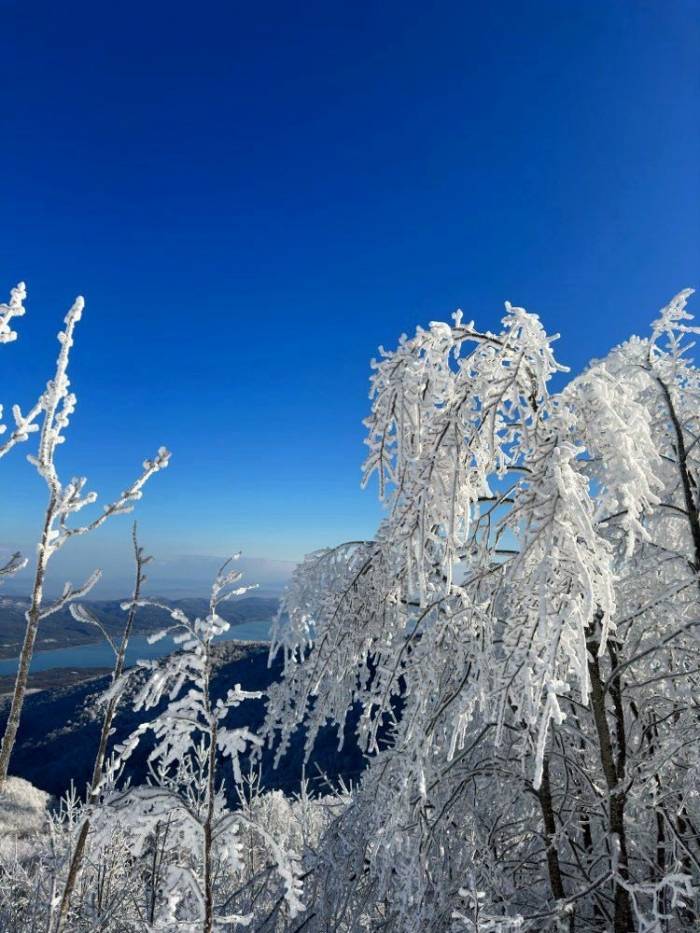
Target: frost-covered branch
16,563
8,311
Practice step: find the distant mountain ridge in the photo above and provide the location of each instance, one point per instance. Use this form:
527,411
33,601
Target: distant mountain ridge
62,631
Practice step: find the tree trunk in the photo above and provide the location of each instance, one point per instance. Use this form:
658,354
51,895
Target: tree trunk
691,508
208,825
211,791
25,658
616,799
544,795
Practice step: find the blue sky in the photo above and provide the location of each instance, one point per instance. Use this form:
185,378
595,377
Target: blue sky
253,197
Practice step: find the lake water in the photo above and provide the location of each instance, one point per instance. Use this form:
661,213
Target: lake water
101,655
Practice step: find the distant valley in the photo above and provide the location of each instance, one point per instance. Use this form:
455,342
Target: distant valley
60,727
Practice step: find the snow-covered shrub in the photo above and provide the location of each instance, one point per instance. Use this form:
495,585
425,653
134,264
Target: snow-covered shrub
23,813
106,896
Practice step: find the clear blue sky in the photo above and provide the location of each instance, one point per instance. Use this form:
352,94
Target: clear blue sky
252,197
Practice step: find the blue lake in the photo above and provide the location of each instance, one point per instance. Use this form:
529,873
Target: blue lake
101,655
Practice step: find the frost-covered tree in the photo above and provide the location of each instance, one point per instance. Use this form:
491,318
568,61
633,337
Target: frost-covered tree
521,637
50,418
202,840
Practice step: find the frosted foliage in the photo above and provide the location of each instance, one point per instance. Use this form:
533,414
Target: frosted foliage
13,308
614,425
536,544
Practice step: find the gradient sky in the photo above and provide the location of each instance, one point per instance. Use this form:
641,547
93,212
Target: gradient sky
253,197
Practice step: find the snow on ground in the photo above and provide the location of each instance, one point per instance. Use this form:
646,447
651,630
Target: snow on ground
23,814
